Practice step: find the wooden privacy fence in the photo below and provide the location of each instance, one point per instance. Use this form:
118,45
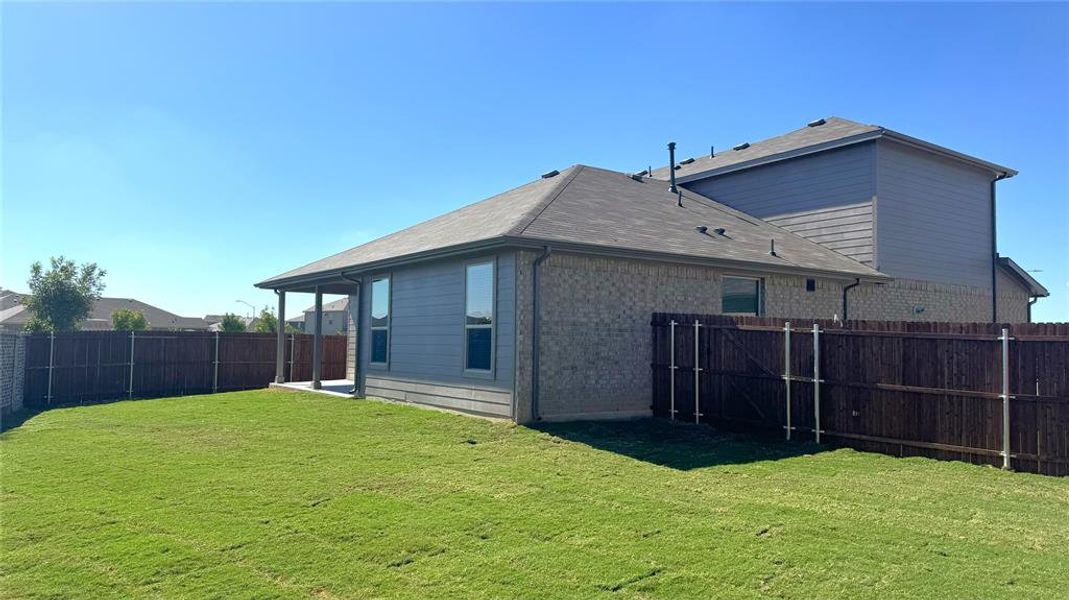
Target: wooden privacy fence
978,392
93,366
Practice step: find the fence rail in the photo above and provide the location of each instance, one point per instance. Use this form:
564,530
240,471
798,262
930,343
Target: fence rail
983,393
93,366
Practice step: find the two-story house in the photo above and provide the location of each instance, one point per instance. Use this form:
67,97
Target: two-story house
536,303
920,213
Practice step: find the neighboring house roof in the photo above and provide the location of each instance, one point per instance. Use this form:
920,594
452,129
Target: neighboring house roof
337,305
297,319
1034,287
100,316
591,209
832,132
9,299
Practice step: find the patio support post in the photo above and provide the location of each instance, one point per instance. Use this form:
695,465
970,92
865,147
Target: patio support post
280,354
317,343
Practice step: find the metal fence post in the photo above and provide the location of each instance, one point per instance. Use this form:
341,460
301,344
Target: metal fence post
215,366
130,391
816,381
1005,338
672,370
51,363
787,371
697,370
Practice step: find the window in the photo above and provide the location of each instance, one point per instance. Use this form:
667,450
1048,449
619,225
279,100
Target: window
479,316
380,320
741,296
810,285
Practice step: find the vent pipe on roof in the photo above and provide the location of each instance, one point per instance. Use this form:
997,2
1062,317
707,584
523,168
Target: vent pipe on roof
772,249
711,151
672,168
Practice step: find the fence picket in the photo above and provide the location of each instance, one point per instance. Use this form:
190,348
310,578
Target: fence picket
166,364
942,390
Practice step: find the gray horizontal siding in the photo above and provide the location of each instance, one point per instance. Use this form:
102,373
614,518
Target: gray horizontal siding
466,398
845,229
934,218
427,339
824,197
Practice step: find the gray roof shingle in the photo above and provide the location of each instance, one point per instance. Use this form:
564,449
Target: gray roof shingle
832,132
591,207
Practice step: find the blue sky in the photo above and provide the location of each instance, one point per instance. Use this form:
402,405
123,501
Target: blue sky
193,150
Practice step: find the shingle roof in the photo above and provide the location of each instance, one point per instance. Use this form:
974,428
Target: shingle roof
337,305
100,316
832,132
833,129
588,207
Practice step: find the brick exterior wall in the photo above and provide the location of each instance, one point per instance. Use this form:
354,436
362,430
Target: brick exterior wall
1012,299
12,372
595,346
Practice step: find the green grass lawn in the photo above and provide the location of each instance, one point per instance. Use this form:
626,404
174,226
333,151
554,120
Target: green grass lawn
279,494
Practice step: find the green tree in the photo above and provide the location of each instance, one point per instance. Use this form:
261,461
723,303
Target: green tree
63,296
267,323
125,319
232,323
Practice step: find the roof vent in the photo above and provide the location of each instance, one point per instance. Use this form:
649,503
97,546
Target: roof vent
720,231
702,229
686,161
551,174
816,123
742,146
638,176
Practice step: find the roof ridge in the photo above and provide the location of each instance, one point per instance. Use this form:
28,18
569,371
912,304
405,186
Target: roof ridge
532,215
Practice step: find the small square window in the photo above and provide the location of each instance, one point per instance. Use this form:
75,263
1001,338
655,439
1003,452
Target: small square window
741,296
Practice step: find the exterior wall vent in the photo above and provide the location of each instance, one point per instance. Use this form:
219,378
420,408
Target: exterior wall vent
742,146
816,123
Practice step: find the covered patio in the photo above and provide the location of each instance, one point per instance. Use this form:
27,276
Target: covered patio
332,387
317,285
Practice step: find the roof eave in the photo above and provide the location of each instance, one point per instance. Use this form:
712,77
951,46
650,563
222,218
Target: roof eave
334,275
788,269
1002,172
1035,288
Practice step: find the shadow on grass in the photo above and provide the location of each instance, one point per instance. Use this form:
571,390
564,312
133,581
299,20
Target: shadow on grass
17,419
681,446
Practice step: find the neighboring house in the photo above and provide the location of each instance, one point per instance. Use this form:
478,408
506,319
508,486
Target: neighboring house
215,322
15,316
536,303
298,321
335,318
